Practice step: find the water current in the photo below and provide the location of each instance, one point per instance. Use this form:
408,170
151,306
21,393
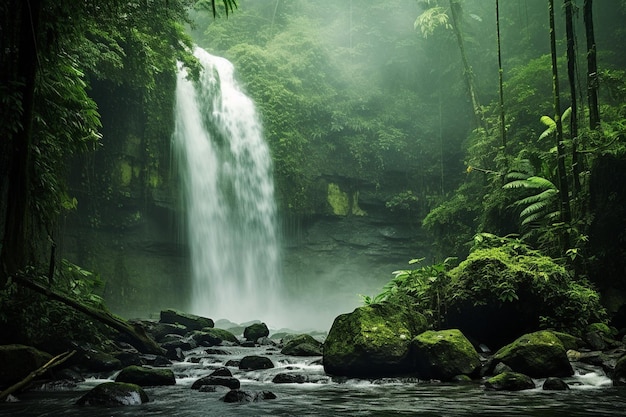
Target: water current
591,394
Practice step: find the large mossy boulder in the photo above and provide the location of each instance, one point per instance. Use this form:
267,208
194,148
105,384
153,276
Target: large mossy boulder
255,331
112,394
17,361
505,289
539,355
444,355
373,340
213,337
190,321
146,377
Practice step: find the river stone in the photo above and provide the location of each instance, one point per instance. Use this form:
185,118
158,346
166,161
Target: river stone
213,337
539,355
190,321
618,376
222,371
509,381
98,361
555,384
111,394
254,362
372,341
160,330
255,331
225,381
290,378
444,354
237,396
303,345
145,377
17,361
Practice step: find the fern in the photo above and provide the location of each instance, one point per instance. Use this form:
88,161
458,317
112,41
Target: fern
551,124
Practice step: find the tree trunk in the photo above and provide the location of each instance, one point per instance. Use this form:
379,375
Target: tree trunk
500,74
467,69
571,75
14,251
562,173
592,66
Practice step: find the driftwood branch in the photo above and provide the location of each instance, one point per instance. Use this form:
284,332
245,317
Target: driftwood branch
57,360
138,337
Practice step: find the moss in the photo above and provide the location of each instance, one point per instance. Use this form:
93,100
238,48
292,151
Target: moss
509,381
338,200
356,210
444,354
125,172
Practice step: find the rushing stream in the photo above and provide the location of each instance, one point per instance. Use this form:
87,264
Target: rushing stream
229,195
591,395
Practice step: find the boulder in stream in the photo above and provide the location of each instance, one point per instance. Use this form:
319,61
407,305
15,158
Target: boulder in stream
146,377
224,381
254,362
444,355
372,341
509,381
17,361
111,394
190,321
255,331
302,345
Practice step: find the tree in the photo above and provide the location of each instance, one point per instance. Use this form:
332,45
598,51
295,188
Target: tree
592,66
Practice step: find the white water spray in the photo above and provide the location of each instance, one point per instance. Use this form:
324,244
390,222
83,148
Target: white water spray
229,196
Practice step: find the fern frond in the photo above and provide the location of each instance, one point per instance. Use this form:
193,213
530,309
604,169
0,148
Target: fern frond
541,182
532,218
534,208
542,196
516,175
547,120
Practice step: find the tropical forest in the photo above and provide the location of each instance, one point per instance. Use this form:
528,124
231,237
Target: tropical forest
298,207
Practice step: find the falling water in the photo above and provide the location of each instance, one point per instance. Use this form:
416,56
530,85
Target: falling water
229,196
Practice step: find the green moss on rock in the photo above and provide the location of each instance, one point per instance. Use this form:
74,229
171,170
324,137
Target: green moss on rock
444,355
540,354
509,381
373,340
338,200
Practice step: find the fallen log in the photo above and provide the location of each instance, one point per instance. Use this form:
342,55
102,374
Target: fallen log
137,335
57,360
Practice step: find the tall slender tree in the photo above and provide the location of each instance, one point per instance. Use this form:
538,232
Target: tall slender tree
592,66
571,75
500,77
561,172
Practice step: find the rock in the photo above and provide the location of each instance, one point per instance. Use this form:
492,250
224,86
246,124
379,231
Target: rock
254,362
501,368
540,354
160,361
160,330
255,331
509,381
213,337
555,384
207,388
222,371
444,354
97,361
618,376
372,341
264,395
130,358
190,321
225,381
266,341
110,394
175,354
233,362
289,378
237,396
145,377
183,344
595,340
17,361
302,345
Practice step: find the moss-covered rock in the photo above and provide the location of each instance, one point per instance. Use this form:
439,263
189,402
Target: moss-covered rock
302,345
540,354
373,340
190,321
254,362
509,381
213,337
444,355
146,377
111,394
499,293
17,361
618,376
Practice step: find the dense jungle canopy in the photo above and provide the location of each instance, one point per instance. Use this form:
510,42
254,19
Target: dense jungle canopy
466,118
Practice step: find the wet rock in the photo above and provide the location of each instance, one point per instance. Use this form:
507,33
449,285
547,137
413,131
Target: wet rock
213,337
555,384
255,362
444,354
175,354
255,331
216,352
160,331
302,345
290,378
372,341
248,344
145,377
237,396
160,361
130,358
111,394
207,388
190,321
97,361
233,362
222,371
266,341
618,376
509,381
264,395
17,361
183,344
224,381
540,354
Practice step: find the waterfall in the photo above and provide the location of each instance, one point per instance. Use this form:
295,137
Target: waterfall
228,194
